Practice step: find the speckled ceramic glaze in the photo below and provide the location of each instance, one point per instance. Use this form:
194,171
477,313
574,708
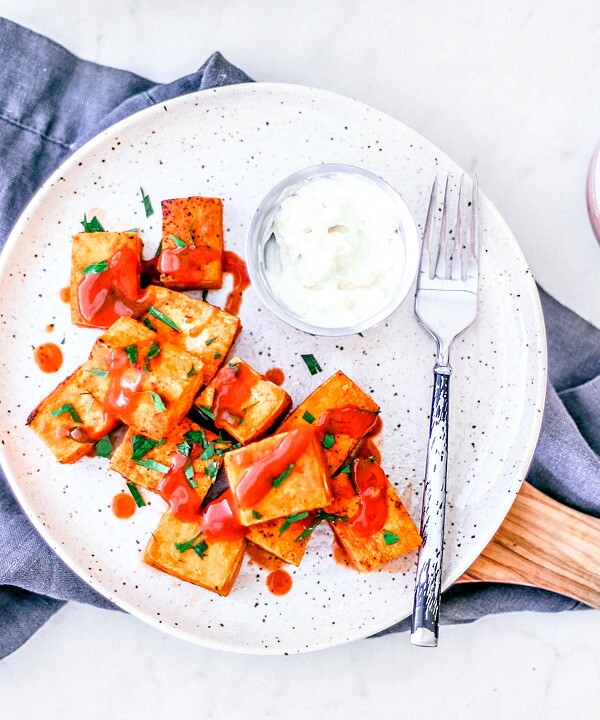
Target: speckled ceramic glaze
236,143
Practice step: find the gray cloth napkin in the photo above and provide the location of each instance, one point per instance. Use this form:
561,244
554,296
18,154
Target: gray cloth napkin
51,102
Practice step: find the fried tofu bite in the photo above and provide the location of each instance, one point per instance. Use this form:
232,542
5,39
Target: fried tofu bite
284,537
242,402
142,381
279,476
340,412
192,243
396,535
94,260
201,329
70,420
144,461
178,548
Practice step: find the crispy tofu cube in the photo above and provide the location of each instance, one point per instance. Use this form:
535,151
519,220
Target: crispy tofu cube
216,571
193,260
336,392
89,249
164,378
58,431
280,537
304,485
366,553
203,330
242,402
205,470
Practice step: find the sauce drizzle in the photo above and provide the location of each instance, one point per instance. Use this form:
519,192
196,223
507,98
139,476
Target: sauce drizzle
219,521
176,491
233,387
123,505
279,582
48,357
234,265
275,375
371,484
349,420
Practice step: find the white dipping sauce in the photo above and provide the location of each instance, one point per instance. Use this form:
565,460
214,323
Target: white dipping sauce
337,255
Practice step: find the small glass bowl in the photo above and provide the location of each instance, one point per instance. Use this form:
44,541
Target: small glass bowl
261,230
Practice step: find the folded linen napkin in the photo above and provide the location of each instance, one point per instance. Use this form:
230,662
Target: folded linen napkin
50,103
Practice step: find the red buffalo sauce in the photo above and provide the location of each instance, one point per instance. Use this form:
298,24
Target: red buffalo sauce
124,380
185,264
275,375
233,387
65,294
219,521
349,420
279,582
241,280
257,480
123,505
106,296
183,500
48,357
371,484
367,447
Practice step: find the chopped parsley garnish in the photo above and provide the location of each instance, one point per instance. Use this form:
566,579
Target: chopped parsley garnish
104,447
178,241
308,417
92,225
147,204
278,480
163,318
196,436
312,364
390,538
319,518
153,465
159,405
184,448
140,445
207,412
139,500
347,470
192,371
208,452
292,519
204,295
152,352
148,324
132,353
96,268
217,356
212,469
328,441
99,373
189,476
210,340
256,515
158,249
67,408
200,548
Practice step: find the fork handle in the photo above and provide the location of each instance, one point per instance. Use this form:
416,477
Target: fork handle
426,608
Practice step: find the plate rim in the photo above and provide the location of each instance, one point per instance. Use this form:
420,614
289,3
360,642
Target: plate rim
538,326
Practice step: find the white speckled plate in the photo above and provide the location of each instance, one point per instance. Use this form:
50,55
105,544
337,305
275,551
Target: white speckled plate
236,143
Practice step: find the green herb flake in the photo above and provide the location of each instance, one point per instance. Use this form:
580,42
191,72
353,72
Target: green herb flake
140,445
104,447
319,518
67,408
159,405
147,203
312,364
328,441
96,268
197,437
163,318
208,452
192,371
99,373
217,356
150,464
390,538
182,547
347,470
92,225
132,353
148,324
152,352
184,448
210,340
256,515
201,549
207,412
292,519
278,480
308,417
212,469
189,476
139,500
178,241
158,249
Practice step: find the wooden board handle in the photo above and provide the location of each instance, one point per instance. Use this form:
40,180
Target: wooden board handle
545,544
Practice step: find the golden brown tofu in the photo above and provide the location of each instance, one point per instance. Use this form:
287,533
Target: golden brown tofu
242,402
216,570
192,243
164,389
398,536
336,392
68,418
90,249
280,537
302,485
204,444
203,330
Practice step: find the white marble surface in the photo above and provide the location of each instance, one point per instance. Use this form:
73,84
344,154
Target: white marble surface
507,89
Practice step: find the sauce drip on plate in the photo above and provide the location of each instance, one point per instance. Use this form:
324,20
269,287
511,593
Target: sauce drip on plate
48,357
123,505
241,280
65,294
279,582
275,375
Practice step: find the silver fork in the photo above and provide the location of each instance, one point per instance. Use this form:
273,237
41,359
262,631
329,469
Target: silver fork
446,305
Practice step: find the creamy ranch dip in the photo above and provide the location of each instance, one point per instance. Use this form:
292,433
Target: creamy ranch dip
336,255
